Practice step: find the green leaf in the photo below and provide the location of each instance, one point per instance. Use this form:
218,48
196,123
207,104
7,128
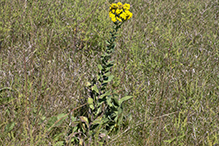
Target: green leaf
100,66
98,111
109,79
5,88
51,121
85,120
88,84
116,117
94,88
98,120
108,68
98,77
55,121
90,102
109,101
104,95
59,143
107,74
108,42
116,101
57,137
106,54
84,128
60,116
92,107
73,118
124,99
170,140
9,127
110,63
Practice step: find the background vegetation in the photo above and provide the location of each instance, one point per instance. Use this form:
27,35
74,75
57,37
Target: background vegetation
167,57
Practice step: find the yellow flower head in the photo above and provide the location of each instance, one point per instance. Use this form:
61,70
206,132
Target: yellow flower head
113,6
113,19
111,15
119,19
119,4
126,6
123,16
128,14
118,11
113,11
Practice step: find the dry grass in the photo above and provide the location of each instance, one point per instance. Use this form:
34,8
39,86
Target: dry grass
167,57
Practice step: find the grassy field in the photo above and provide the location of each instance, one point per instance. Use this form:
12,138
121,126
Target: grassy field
167,58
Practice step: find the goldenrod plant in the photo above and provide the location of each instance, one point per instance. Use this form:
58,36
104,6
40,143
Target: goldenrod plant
105,110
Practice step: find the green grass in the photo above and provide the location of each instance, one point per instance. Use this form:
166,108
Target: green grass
167,57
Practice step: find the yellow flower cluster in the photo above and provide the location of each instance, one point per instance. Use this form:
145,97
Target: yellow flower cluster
120,12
